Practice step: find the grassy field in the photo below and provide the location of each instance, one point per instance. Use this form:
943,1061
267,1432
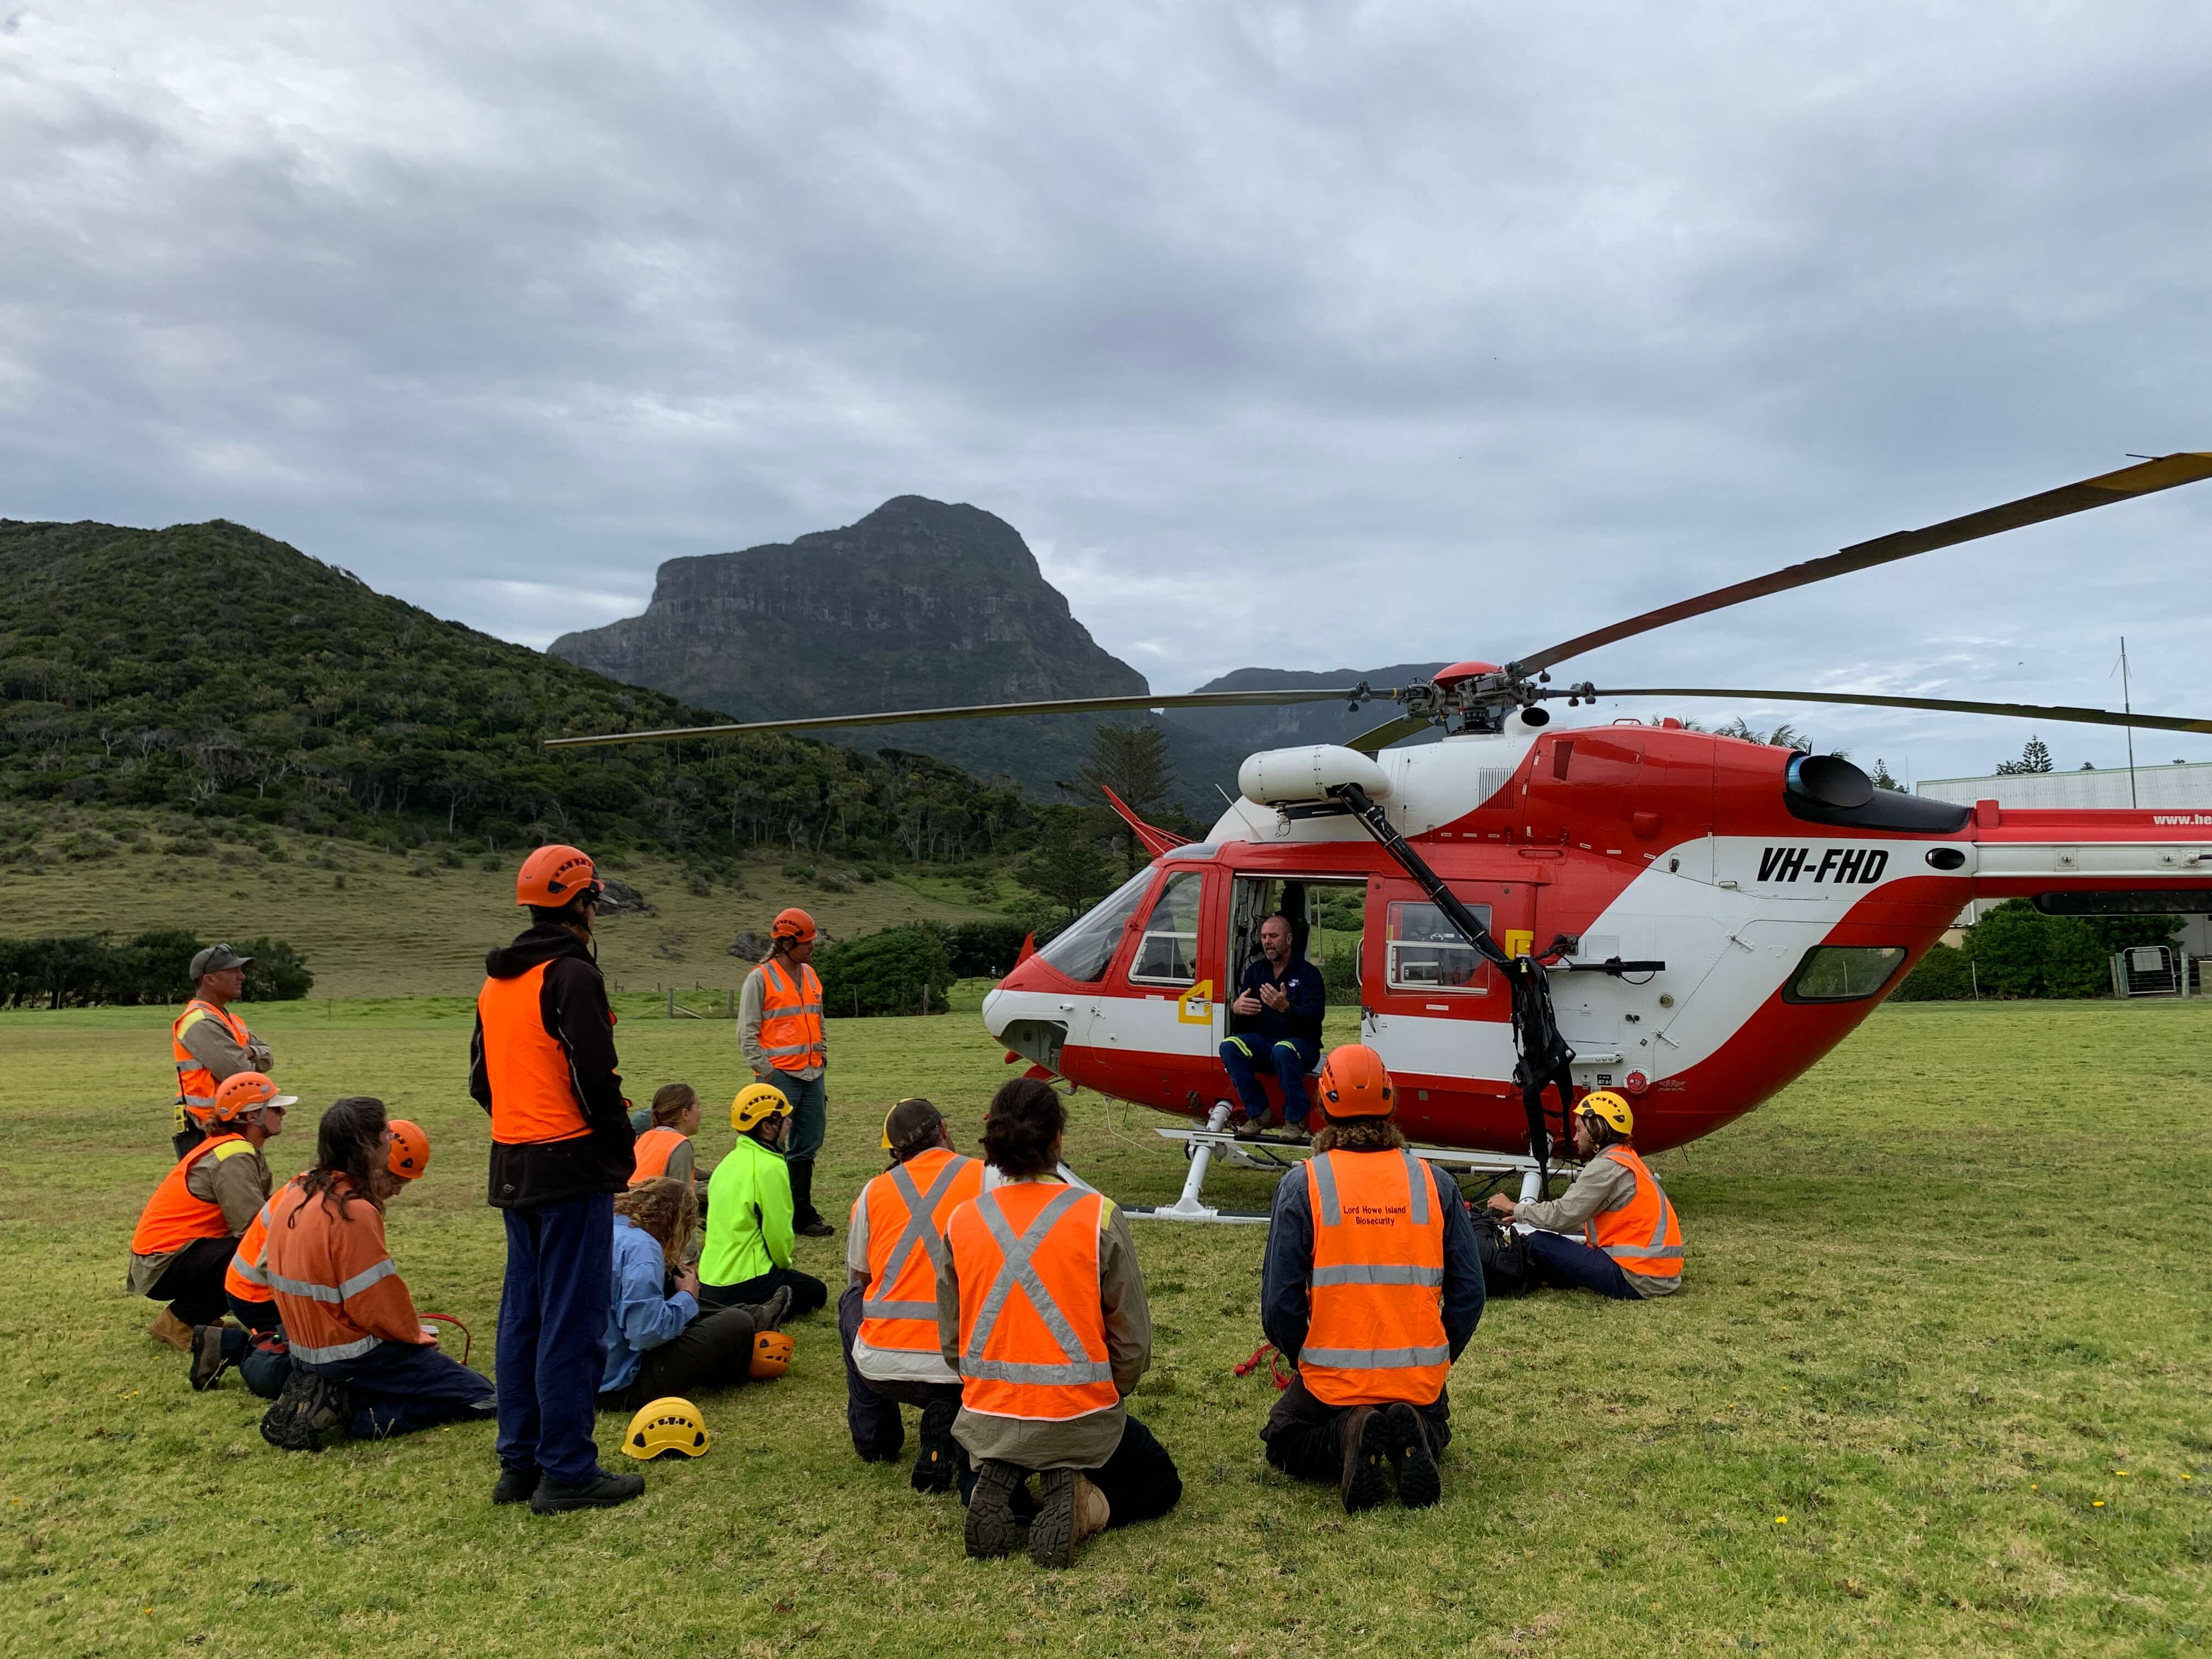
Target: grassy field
404,921
1937,1383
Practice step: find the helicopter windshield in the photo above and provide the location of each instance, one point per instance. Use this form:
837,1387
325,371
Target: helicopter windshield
1084,950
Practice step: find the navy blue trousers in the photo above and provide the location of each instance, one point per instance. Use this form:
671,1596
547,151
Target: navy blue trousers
400,1387
871,1408
552,1343
1288,1059
1570,1264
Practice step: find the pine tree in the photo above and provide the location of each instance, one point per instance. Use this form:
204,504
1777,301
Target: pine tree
2035,758
1881,778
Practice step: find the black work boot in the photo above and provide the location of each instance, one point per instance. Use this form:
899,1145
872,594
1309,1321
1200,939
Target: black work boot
602,1492
936,1462
805,1219
991,1525
769,1315
308,1408
515,1484
1364,1434
1418,1483
208,1361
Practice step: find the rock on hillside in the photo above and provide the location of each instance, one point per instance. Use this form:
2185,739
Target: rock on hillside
920,604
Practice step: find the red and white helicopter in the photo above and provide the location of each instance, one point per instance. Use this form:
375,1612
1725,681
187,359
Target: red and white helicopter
1691,919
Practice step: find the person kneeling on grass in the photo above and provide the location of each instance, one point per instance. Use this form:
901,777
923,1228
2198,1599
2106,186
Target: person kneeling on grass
1042,1313
257,1344
1372,1285
657,1341
749,1225
1631,1242
360,1360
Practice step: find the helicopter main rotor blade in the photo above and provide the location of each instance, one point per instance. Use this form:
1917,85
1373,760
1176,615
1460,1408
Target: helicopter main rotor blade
991,710
2164,473
1369,742
2036,711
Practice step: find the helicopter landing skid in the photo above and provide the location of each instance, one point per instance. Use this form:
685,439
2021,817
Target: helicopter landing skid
1267,1152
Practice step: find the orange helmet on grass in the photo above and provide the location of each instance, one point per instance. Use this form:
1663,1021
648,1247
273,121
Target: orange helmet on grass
772,1352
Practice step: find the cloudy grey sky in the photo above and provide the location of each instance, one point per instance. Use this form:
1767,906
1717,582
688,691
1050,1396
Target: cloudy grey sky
1296,334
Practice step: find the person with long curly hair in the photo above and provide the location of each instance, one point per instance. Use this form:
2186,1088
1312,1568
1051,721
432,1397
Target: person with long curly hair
362,1359
659,1342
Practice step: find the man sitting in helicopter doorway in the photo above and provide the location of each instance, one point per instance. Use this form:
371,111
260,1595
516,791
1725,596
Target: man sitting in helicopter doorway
1275,1022
1631,1242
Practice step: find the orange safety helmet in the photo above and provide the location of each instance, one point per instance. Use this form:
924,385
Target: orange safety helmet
411,1150
552,877
243,1092
1353,1084
794,924
772,1352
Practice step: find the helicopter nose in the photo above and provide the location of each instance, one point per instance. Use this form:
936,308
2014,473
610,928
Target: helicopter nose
997,1011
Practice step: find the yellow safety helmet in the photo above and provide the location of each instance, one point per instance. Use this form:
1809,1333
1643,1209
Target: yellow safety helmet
755,1102
664,1426
1604,1104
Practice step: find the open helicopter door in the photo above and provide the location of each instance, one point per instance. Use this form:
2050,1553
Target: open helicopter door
1441,1017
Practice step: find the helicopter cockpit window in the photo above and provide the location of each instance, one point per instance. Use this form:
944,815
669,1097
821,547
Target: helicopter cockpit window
1167,954
1844,973
1083,951
1428,954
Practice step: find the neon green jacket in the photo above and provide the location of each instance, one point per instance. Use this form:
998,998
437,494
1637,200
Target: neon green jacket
748,1215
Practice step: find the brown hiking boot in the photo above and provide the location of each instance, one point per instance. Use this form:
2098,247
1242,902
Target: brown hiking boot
167,1328
1365,1435
1092,1510
208,1361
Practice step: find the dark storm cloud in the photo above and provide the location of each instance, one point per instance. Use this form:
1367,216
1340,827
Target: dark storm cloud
1296,335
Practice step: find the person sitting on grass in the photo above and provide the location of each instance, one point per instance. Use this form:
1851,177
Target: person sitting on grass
1042,1310
657,1341
748,1229
1631,1242
190,1228
664,1147
361,1361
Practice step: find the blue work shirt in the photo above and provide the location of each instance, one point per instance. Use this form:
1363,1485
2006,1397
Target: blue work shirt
1286,1303
1301,982
639,1316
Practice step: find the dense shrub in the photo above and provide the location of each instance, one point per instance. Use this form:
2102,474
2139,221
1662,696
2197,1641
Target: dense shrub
2015,950
886,973
89,970
984,950
1944,975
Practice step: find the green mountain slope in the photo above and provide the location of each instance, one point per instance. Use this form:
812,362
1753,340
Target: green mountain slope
210,669
920,604
1248,729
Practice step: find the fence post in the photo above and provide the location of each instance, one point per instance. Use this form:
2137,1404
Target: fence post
672,1002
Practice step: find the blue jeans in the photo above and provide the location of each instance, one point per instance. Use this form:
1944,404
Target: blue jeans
552,1335
400,1387
1291,1058
809,1114
1570,1264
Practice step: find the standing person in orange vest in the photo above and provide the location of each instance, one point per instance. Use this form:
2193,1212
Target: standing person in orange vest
1372,1285
1041,1307
542,1064
210,1043
887,1317
190,1227
780,1028
1631,1240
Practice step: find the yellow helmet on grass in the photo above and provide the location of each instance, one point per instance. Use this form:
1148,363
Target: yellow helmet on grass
666,1427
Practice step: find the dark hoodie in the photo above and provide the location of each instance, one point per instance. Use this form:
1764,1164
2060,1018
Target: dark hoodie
573,1006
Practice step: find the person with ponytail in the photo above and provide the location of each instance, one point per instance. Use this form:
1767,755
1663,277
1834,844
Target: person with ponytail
363,1361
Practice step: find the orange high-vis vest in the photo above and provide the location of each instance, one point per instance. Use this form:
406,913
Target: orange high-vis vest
1032,1331
1376,1330
247,1276
653,1149
791,1016
1642,1235
533,1097
196,1084
174,1216
909,1208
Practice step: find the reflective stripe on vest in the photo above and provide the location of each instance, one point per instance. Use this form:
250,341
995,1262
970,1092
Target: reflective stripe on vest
333,1293
1053,1366
791,1017
196,1084
534,1090
336,1351
175,1215
1376,1332
917,1251
1642,1235
247,1276
654,1148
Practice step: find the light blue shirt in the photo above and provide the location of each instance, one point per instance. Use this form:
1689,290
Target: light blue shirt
639,1316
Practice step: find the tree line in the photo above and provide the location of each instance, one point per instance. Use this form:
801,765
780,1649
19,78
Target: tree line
88,970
